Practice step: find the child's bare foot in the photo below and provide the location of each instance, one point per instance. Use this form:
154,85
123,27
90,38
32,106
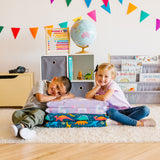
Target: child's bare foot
148,122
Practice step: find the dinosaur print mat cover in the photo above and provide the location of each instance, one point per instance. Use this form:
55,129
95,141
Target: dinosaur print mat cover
76,124
68,117
77,105
69,120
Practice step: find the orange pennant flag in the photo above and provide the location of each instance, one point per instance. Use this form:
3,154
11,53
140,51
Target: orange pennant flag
131,8
34,31
49,31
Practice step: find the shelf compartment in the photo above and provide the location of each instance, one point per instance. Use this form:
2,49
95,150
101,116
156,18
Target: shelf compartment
83,63
139,97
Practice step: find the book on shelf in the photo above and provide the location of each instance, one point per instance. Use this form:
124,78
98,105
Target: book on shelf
148,59
150,77
132,87
131,65
123,76
70,67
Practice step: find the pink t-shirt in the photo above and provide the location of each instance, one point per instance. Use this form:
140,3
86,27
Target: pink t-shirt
118,99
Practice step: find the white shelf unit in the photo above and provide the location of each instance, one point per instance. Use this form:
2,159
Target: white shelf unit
57,65
147,92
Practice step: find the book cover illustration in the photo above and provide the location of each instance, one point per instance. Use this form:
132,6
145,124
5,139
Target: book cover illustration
132,87
123,76
147,59
132,65
58,40
150,77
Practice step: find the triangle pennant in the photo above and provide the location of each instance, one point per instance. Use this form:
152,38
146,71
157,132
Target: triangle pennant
157,24
106,8
50,26
92,14
34,31
131,8
68,2
15,32
77,19
105,2
52,1
49,31
63,24
143,16
88,2
1,28
121,1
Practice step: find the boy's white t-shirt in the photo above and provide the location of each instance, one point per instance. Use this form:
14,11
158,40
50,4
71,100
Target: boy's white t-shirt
40,87
118,99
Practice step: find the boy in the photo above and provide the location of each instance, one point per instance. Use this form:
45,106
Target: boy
33,112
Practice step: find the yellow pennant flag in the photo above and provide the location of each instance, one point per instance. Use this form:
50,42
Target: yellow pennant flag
77,19
49,31
34,31
131,8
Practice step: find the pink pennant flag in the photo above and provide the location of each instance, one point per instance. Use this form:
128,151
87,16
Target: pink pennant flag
15,32
105,2
52,1
157,24
92,14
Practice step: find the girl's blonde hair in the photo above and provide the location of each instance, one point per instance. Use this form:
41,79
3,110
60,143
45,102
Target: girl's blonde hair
109,67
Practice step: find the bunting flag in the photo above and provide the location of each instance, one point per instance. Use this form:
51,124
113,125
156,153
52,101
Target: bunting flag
121,1
77,19
49,31
88,2
15,32
157,24
63,24
34,31
131,8
106,8
52,1
143,16
1,28
92,14
68,2
105,2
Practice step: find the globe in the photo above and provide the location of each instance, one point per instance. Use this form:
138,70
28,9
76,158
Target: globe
83,33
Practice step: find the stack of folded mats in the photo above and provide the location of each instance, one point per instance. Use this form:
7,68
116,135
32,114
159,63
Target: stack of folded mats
76,112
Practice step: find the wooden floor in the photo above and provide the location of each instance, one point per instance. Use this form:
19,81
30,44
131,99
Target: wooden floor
134,151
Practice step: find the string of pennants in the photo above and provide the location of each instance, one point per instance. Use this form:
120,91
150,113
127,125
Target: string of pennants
91,14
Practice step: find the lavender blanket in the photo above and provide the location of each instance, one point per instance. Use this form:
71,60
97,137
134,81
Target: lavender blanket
77,105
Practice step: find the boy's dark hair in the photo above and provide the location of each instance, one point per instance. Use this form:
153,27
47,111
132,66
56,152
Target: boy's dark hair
67,83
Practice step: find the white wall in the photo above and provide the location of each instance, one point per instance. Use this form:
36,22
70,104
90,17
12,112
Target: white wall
117,33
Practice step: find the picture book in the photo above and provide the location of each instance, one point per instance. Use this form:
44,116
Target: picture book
123,76
128,87
131,65
147,59
150,77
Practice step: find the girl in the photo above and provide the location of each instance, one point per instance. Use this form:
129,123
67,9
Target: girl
120,110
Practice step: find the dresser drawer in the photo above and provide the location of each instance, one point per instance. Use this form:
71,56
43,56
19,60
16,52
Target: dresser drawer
15,88
79,89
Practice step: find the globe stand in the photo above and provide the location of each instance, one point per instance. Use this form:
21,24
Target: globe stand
83,51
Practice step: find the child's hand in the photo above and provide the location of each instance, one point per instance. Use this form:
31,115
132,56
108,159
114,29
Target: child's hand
97,82
58,98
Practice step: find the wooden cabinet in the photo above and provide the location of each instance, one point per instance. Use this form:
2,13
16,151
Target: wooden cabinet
15,88
52,66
